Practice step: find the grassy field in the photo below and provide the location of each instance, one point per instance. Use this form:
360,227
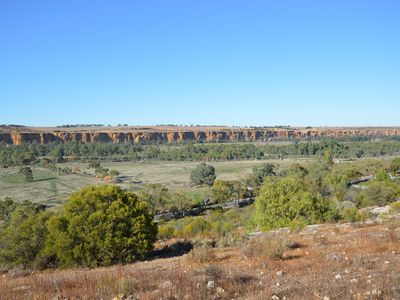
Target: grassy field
50,188
176,174
47,187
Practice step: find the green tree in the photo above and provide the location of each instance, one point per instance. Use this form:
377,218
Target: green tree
23,237
57,154
203,174
263,171
222,191
155,195
328,157
101,225
180,199
288,200
27,173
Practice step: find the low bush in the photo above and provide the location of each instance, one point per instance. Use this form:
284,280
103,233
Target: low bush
273,248
202,253
165,232
351,214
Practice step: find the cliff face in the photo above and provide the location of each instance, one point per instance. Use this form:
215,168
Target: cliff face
163,136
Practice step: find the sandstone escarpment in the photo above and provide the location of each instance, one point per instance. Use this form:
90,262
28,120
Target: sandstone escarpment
178,134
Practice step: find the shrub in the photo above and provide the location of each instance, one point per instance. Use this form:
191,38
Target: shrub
23,237
26,172
166,231
281,201
380,193
101,225
267,248
202,253
351,214
297,225
231,239
198,226
222,191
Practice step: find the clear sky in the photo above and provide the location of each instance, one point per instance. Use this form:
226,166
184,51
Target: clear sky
249,62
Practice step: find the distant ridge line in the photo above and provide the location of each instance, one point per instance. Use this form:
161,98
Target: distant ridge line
165,134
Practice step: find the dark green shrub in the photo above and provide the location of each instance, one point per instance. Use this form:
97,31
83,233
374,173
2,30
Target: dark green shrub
23,237
101,225
26,172
281,201
203,174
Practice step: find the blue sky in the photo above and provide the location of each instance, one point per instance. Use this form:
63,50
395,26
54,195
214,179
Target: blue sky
270,62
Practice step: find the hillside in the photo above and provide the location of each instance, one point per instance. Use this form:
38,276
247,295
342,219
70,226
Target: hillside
162,134
343,261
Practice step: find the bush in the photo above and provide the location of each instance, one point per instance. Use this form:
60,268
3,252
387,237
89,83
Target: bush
351,214
281,201
274,248
380,193
23,237
26,172
202,253
198,226
166,232
222,191
233,238
101,225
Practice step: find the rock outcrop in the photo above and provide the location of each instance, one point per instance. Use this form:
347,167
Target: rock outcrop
172,134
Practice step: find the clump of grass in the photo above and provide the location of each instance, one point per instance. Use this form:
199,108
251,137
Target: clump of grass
274,248
202,253
232,239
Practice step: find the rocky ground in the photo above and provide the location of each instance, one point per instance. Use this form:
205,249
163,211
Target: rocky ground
338,261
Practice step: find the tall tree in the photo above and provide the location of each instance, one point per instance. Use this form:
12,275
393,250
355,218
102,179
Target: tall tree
203,174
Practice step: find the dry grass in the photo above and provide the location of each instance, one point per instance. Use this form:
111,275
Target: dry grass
337,261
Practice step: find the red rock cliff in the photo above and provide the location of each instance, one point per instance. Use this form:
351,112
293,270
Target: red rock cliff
162,135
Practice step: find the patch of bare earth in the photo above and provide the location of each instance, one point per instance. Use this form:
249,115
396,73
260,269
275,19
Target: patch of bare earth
321,262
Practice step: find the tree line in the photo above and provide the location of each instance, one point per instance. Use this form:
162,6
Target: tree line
35,153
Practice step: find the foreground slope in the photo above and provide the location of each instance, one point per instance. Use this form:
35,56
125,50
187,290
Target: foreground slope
342,261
